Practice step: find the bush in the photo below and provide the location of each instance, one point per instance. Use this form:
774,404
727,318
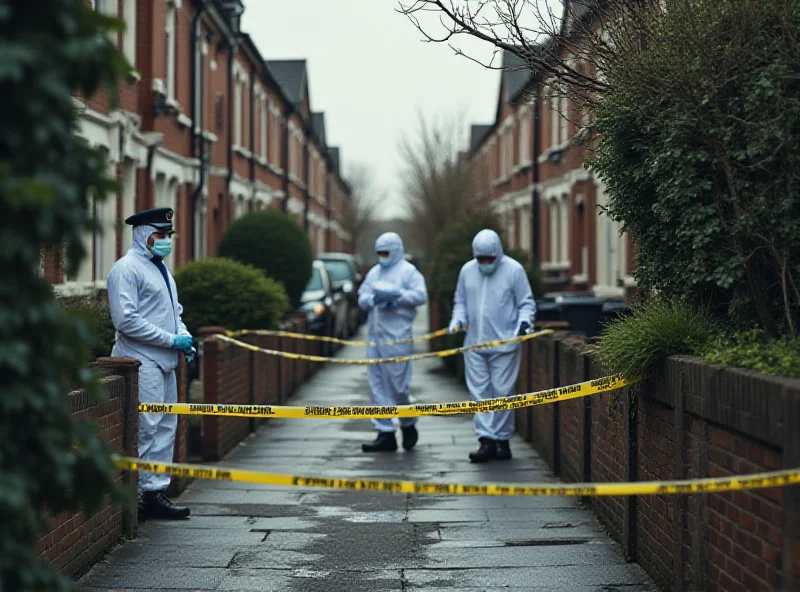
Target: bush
757,351
96,315
274,243
50,461
228,293
635,345
453,248
700,158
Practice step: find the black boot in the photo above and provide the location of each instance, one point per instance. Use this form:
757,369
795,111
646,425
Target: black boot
158,505
487,451
385,442
503,450
410,437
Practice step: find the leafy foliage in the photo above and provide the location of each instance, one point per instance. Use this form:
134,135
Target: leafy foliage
96,315
755,350
635,345
228,293
274,243
700,156
48,464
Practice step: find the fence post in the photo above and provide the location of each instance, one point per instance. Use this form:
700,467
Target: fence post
128,369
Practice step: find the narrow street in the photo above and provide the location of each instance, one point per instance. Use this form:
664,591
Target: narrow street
249,537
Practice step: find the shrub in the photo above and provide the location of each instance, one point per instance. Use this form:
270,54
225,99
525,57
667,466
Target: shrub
635,345
51,462
228,293
274,243
96,315
757,351
700,158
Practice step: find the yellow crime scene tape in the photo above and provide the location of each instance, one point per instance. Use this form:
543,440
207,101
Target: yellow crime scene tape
426,356
575,391
713,485
308,337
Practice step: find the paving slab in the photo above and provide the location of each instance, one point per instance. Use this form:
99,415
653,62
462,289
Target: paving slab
252,537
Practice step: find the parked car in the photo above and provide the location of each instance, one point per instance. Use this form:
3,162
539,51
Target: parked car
325,307
346,277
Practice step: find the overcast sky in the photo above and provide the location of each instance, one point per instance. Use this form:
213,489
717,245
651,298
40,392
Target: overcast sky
371,74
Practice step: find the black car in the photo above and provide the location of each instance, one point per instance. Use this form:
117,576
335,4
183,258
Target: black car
325,308
346,277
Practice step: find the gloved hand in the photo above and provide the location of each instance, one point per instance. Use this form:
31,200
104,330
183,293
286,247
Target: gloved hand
190,356
388,304
523,329
381,297
385,292
456,326
182,343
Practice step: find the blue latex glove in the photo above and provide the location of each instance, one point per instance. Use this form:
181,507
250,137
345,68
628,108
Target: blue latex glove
523,329
381,297
388,304
456,326
183,343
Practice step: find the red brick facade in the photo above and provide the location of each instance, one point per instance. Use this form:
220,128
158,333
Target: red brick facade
200,127
577,248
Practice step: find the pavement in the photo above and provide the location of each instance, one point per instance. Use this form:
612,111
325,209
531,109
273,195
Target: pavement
248,537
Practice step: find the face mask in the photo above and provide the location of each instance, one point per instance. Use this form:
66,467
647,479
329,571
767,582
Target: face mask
383,261
162,247
487,268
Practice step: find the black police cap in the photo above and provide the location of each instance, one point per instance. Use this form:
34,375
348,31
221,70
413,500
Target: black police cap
159,218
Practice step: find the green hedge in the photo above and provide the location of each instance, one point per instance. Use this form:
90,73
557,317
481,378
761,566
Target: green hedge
228,293
274,243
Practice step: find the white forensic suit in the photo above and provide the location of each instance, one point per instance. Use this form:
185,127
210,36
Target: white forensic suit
146,315
390,384
493,305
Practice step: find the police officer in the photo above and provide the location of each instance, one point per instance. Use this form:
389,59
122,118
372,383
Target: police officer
495,302
147,316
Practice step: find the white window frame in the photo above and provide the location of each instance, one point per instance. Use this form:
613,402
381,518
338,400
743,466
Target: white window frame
554,230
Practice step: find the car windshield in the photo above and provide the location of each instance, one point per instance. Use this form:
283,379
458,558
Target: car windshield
315,283
338,270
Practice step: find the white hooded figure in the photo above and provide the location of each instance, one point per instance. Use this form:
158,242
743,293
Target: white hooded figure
146,313
391,293
494,302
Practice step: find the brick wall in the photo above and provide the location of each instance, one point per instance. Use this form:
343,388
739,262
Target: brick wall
233,375
690,420
74,541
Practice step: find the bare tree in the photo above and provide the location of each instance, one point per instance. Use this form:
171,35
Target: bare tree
364,203
437,182
569,43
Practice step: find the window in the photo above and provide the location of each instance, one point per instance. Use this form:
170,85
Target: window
564,233
555,123
275,157
524,139
170,37
129,36
198,99
264,132
564,111
219,112
315,283
554,230
238,111
128,199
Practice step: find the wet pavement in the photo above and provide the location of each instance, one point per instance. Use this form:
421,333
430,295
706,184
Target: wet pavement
249,537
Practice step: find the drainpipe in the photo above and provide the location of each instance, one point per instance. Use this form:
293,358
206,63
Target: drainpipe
233,46
197,117
307,191
535,169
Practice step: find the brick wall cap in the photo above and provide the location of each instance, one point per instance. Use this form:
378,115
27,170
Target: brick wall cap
119,362
212,330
